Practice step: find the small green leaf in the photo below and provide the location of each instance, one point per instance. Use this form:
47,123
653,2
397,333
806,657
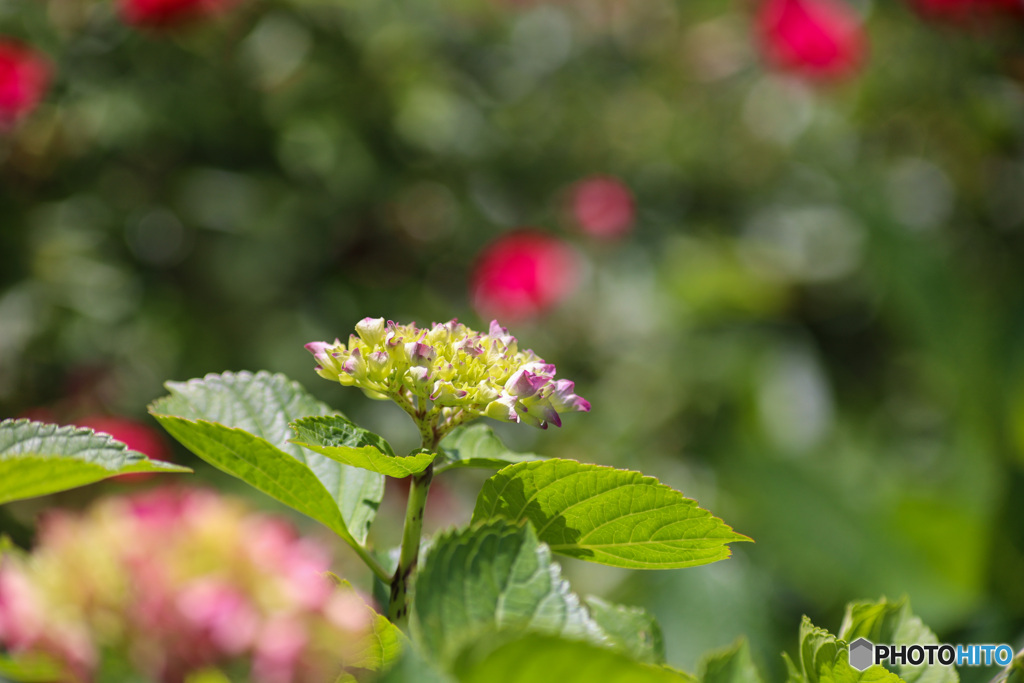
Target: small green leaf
339,439
381,648
488,579
537,657
605,515
840,671
37,459
892,623
818,648
793,673
238,422
478,446
413,667
631,630
826,659
731,665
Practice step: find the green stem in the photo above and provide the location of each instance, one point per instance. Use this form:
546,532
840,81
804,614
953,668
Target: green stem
376,567
398,607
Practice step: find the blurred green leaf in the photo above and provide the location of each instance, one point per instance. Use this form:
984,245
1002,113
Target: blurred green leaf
731,665
30,668
605,515
339,439
488,579
239,424
38,458
632,630
478,446
539,657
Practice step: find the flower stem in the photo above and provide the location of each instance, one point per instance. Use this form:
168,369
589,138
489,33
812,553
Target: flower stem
398,607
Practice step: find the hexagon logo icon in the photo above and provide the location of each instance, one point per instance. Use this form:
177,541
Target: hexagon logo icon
862,654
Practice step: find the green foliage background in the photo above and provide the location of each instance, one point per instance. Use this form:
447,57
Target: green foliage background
816,329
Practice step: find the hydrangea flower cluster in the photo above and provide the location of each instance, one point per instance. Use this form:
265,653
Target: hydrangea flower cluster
176,581
448,374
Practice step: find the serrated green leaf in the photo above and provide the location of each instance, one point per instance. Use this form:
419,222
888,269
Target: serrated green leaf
478,446
339,439
495,577
888,622
38,458
538,657
632,630
818,648
731,665
259,464
605,515
238,422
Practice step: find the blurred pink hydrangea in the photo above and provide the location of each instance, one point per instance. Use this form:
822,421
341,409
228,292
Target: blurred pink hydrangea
816,39
523,274
175,581
24,77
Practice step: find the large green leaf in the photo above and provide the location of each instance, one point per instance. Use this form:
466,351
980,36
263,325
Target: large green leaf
605,515
339,439
492,578
892,623
38,458
632,630
538,657
478,446
731,665
238,422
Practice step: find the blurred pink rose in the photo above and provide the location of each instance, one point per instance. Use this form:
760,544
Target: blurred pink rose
816,39
163,13
602,207
24,76
522,274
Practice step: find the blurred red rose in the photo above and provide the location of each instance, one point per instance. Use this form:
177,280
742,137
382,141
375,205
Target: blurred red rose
959,11
817,39
135,435
161,13
522,274
602,207
24,76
